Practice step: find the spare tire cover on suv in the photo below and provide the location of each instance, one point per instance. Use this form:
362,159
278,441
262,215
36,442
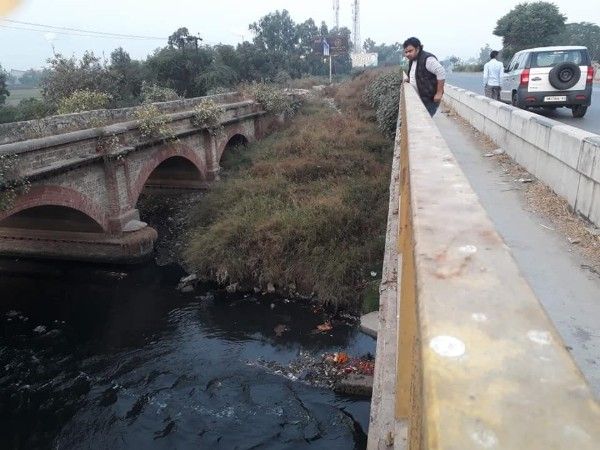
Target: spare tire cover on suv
565,75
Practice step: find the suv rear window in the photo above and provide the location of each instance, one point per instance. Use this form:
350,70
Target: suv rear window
553,58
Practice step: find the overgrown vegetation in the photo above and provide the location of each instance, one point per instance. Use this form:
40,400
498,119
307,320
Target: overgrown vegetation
208,114
153,123
383,94
304,209
11,184
271,98
152,93
84,100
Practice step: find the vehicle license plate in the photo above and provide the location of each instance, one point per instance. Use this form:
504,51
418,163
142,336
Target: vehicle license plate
556,98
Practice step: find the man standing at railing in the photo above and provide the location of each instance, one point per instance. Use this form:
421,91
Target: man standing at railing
492,74
425,73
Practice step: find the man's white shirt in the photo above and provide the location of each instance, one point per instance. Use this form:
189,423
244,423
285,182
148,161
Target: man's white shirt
492,73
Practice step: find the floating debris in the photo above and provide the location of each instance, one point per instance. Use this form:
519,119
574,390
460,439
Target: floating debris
325,327
280,329
324,371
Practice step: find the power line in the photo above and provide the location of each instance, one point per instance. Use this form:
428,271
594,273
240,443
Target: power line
79,30
64,33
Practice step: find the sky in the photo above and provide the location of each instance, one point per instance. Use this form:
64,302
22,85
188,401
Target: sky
458,27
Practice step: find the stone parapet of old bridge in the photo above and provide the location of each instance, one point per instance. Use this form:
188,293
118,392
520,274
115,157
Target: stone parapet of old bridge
85,173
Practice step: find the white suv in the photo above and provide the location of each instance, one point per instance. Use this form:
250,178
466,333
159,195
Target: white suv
550,77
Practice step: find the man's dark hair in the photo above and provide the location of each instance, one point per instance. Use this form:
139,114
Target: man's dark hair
414,42
494,54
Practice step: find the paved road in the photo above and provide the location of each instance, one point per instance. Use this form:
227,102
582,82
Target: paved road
552,267
591,122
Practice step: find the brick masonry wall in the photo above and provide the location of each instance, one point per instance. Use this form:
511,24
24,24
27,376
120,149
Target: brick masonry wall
49,126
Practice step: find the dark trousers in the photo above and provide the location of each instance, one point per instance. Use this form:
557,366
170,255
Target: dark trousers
492,92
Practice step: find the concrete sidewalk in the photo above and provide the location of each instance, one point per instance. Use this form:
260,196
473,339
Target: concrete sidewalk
569,294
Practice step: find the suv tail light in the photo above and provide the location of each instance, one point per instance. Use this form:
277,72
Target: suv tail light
590,75
525,77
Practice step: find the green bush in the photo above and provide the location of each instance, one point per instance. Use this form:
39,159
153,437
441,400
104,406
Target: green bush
83,100
152,93
208,114
271,98
8,114
153,123
383,94
27,109
282,78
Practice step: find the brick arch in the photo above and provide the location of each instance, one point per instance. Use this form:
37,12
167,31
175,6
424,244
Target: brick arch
158,158
232,131
58,196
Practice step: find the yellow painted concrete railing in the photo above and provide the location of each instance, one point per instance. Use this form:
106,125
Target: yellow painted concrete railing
480,365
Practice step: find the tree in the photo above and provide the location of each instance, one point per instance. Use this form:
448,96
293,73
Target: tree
68,75
276,32
342,63
181,39
484,54
3,91
369,45
31,78
583,33
529,25
126,76
388,55
310,61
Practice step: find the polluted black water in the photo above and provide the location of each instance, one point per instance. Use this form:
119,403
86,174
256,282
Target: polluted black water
111,357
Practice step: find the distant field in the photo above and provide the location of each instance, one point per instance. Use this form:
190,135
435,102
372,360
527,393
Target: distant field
16,95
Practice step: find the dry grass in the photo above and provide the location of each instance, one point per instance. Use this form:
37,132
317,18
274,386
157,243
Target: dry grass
304,209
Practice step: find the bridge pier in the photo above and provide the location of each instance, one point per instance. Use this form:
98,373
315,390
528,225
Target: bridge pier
129,247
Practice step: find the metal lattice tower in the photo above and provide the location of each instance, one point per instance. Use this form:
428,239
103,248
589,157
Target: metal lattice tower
356,41
336,13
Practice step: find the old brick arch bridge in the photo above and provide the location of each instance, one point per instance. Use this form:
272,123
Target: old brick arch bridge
84,183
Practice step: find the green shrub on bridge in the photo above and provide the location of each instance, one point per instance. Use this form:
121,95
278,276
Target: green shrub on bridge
153,123
208,114
83,100
273,99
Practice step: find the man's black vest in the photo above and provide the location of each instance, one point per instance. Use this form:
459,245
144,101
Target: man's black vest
426,81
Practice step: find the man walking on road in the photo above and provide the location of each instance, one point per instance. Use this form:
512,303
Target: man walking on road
425,73
492,74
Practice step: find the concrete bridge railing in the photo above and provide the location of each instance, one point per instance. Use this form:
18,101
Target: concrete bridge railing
565,158
477,363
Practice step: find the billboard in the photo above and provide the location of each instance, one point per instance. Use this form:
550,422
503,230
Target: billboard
364,59
337,44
